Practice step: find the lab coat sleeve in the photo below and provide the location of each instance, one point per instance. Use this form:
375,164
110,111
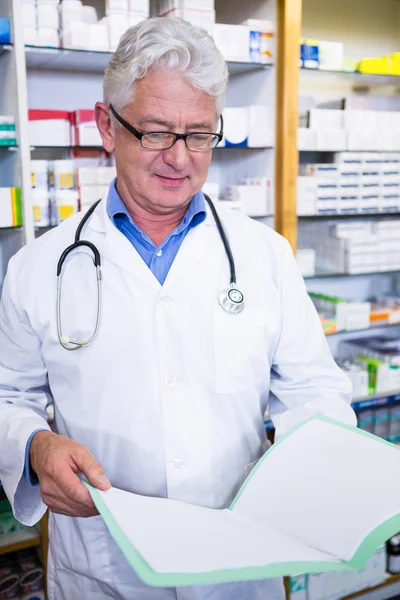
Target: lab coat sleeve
305,380
24,394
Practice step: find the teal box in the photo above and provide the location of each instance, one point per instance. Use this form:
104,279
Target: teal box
394,423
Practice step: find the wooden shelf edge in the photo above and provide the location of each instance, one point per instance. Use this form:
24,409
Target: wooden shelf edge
29,543
389,581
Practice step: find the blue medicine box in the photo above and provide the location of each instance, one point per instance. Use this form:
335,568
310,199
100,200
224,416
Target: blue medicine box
5,31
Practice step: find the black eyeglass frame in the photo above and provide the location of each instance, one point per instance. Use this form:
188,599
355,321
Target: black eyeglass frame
178,136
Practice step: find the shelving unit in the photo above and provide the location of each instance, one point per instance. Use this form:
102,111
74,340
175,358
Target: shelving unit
372,401
42,78
19,540
91,61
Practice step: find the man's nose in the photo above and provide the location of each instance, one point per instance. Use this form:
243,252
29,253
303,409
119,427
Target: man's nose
177,156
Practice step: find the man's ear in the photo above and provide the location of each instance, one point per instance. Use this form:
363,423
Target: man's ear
102,116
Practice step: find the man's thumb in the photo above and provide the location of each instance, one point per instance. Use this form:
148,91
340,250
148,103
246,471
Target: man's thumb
95,475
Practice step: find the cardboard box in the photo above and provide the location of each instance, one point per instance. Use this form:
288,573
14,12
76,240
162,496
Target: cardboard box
48,37
47,15
85,132
260,132
236,126
233,41
49,127
306,138
76,35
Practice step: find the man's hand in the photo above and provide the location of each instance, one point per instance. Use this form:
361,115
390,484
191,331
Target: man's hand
56,460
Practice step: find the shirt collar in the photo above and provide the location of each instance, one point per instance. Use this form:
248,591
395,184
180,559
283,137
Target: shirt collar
195,212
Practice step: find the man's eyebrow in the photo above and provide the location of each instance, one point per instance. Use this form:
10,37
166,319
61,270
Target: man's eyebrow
204,125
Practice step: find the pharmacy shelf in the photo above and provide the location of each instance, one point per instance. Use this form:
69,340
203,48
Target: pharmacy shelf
5,48
315,151
365,78
370,328
91,61
19,540
329,275
33,148
390,580
356,215
247,148
372,401
376,400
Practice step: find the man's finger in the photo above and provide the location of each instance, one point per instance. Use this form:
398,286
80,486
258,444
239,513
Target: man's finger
72,488
93,471
69,510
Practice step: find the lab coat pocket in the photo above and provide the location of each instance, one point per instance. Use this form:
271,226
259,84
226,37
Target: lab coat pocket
241,346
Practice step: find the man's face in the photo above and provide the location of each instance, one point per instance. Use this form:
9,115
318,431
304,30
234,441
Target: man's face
164,181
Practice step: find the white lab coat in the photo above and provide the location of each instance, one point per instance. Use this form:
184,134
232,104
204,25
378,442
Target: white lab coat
170,397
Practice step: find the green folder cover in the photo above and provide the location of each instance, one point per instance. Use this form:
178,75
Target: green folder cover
323,498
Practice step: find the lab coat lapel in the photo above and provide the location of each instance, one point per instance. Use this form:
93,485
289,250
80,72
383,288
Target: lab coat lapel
199,241
118,249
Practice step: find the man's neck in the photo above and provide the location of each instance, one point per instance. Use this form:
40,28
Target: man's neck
156,226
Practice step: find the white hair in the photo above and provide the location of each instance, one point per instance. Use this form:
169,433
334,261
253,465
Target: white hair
165,43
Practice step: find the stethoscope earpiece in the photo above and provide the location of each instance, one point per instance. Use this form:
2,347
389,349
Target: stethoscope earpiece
232,300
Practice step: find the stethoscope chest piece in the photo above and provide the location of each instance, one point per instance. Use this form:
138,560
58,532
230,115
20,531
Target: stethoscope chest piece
232,300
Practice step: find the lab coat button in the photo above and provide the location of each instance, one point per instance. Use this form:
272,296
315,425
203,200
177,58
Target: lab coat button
177,464
164,299
171,382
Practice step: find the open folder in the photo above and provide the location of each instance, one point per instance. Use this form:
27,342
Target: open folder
323,498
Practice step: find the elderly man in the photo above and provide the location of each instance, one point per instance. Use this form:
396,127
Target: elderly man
168,397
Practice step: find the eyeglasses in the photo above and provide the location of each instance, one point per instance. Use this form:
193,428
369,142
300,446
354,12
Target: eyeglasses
162,140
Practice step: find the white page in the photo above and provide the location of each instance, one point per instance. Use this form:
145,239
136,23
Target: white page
326,487
175,537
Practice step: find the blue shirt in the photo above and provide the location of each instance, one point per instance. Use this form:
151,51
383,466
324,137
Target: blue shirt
158,258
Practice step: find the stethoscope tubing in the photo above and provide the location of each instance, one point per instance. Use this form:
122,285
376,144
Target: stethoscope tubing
231,300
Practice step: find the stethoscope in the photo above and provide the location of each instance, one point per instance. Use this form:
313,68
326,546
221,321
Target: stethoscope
231,299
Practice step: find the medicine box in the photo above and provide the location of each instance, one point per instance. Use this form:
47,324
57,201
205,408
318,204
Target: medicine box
141,7
236,126
84,129
5,35
233,41
260,132
10,207
49,127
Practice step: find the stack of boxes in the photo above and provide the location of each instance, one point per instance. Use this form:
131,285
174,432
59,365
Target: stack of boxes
41,22
318,54
60,188
55,197
353,247
93,183
357,183
253,197
248,126
10,207
63,128
197,12
122,14
334,586
8,136
355,130
71,24
253,41
338,314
